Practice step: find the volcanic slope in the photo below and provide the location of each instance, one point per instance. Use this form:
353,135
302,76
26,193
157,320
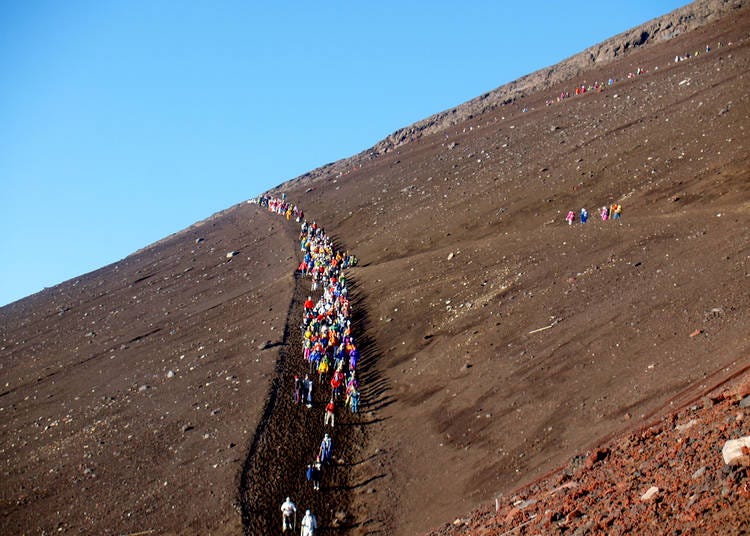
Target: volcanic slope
506,340
500,342
131,394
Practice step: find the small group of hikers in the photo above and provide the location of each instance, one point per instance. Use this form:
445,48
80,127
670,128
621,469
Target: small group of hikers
600,86
281,206
329,348
593,87
309,522
314,473
612,212
688,55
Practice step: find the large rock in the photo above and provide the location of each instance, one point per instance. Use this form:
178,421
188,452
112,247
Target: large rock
737,451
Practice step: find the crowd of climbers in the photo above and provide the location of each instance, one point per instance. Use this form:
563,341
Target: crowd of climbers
612,212
329,349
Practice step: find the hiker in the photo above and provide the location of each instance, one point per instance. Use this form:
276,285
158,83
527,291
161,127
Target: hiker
605,213
313,474
323,369
354,401
336,382
353,358
315,357
618,211
288,515
317,475
297,389
309,524
326,449
351,381
309,472
570,218
584,215
308,390
338,356
329,416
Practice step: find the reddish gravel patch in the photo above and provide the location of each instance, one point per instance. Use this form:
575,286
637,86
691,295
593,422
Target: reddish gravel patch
668,478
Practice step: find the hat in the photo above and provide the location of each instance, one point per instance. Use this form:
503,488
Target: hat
307,512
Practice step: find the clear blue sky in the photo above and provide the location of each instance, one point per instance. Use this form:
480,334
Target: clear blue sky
123,122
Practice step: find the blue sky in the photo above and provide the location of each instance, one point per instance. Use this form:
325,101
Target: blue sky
123,122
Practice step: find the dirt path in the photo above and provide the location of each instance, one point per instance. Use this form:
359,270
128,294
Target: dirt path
288,438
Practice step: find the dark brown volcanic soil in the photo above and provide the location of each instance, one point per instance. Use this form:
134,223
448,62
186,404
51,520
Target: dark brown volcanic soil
465,258
96,438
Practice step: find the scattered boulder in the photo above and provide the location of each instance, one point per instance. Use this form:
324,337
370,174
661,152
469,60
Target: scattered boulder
737,451
686,426
652,492
232,254
699,473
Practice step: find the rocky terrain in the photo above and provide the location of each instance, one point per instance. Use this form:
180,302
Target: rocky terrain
667,478
547,375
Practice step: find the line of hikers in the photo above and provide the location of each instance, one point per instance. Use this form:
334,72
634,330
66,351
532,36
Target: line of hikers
281,206
600,86
612,212
328,345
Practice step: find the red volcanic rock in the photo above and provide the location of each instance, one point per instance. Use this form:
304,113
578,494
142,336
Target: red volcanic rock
597,456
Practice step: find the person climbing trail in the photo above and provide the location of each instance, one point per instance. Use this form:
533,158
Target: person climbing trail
308,390
326,449
297,390
309,524
330,414
288,515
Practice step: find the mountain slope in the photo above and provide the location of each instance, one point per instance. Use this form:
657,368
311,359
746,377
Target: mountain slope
499,341
465,254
